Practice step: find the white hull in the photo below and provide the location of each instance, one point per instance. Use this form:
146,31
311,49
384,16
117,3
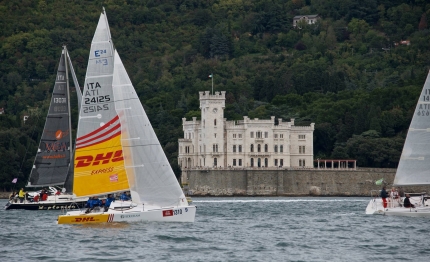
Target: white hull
394,208
130,212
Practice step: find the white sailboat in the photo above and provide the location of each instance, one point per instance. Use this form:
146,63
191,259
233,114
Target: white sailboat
53,163
117,149
414,164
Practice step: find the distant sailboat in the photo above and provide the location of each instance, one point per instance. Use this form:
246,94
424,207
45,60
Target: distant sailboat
414,164
53,164
117,149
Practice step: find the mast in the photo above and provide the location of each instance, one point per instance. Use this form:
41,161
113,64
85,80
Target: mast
68,104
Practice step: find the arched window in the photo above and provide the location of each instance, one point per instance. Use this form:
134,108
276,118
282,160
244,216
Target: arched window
259,162
234,148
266,148
266,162
252,162
213,148
281,148
259,148
276,148
214,122
252,147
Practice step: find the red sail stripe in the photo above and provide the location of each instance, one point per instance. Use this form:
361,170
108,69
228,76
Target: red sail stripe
101,141
107,125
113,129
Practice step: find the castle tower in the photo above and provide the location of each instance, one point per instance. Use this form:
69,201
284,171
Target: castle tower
212,128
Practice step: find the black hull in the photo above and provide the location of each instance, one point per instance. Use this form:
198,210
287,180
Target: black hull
45,206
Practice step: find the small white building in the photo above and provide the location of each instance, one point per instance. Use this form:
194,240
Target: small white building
309,19
216,142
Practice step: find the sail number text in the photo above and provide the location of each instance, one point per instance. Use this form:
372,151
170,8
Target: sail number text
424,108
91,96
98,53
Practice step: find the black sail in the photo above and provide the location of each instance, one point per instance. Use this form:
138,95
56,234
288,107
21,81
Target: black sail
52,161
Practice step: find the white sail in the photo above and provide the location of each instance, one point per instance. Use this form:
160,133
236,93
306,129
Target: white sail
414,164
149,173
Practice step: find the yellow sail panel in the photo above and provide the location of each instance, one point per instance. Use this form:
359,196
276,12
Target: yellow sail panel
99,168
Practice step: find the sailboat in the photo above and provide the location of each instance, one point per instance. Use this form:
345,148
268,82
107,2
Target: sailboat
52,164
414,164
117,149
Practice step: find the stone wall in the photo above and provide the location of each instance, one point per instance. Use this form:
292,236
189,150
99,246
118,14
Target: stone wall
289,182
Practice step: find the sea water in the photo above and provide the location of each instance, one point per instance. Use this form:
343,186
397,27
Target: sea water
225,229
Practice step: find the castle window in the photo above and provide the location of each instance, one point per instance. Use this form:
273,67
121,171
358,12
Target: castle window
301,149
281,148
259,148
276,162
266,162
240,148
266,134
234,148
276,148
281,136
302,137
252,147
281,162
214,122
240,162
215,162
252,134
266,148
234,162
252,162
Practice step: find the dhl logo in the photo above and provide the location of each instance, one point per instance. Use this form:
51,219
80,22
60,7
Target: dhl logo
84,219
84,161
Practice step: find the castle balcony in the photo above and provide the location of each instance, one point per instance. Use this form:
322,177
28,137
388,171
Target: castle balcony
259,154
216,154
184,140
259,140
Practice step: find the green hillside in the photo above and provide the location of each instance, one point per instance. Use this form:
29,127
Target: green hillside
350,73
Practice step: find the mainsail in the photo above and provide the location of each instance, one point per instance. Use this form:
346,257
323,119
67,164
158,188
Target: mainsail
54,154
99,162
150,175
414,162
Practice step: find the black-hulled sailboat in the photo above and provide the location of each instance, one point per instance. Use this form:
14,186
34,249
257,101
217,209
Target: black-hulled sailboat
53,164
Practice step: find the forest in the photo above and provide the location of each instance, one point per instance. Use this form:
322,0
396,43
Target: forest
356,73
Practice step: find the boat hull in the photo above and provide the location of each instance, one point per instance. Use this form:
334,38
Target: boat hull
133,214
52,203
375,207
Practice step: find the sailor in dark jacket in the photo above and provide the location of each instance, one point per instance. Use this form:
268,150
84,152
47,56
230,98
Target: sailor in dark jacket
109,200
384,195
407,202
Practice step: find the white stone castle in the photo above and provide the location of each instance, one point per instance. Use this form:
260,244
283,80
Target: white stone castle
248,143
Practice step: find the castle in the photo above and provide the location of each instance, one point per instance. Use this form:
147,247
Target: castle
214,142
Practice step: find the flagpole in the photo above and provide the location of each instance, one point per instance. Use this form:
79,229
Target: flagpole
212,83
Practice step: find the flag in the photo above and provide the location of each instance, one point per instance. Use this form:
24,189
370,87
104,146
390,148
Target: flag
379,182
14,180
210,76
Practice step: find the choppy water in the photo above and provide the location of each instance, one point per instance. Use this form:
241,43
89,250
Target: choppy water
226,229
